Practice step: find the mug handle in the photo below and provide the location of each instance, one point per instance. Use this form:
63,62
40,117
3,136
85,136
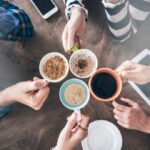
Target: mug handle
78,112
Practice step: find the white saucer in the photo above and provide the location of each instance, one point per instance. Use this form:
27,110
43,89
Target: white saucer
102,135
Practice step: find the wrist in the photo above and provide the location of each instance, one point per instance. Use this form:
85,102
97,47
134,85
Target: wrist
146,128
77,11
5,97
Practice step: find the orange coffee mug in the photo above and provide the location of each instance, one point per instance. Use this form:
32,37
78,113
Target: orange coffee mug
105,85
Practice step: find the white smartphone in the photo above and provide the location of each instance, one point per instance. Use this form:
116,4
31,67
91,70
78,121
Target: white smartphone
143,90
46,8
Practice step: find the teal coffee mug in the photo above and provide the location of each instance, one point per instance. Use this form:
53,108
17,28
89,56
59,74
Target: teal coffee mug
74,94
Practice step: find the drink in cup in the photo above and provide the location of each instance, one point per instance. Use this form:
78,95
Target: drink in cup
105,84
54,67
74,95
83,63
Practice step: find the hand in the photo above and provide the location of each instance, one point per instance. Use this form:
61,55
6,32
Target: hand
72,135
132,116
30,93
74,28
137,73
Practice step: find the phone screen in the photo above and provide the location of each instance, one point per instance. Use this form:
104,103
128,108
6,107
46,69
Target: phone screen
44,5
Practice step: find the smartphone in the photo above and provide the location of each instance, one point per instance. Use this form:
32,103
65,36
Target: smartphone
46,8
143,90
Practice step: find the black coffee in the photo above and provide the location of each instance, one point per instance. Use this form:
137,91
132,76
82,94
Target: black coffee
104,85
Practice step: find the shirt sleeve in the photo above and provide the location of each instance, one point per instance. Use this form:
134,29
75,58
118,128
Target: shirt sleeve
74,3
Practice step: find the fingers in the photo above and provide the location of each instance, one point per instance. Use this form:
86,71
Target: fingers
118,112
80,133
38,98
120,107
85,121
64,37
70,38
127,65
125,125
129,102
70,124
126,70
36,84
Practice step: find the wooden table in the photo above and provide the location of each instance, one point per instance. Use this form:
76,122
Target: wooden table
26,129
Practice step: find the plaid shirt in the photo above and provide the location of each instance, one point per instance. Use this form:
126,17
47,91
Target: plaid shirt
24,30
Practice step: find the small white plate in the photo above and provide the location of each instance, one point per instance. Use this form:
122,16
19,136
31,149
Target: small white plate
102,135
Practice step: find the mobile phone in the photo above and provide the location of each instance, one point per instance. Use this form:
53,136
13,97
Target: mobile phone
46,8
143,90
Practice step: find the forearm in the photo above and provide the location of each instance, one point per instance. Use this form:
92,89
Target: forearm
119,19
5,97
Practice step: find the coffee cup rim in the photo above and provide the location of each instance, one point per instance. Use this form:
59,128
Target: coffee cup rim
48,56
117,78
63,87
93,56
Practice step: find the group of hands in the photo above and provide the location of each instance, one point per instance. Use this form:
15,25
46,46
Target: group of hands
34,93
130,117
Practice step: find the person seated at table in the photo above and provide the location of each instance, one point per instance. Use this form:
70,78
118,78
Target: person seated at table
132,116
31,93
73,133
15,24
124,19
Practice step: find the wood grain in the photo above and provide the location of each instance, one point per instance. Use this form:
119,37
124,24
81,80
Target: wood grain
25,129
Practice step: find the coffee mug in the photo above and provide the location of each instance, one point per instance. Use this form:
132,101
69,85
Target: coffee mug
84,102
45,59
105,85
83,62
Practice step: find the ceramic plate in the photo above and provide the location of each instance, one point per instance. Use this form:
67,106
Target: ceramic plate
102,135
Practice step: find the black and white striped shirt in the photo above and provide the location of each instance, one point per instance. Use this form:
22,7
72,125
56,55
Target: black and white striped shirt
124,17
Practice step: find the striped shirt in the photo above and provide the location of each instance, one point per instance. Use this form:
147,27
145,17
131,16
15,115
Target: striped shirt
124,18
24,29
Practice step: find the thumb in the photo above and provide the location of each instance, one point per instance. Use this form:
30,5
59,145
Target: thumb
128,101
71,123
70,39
35,85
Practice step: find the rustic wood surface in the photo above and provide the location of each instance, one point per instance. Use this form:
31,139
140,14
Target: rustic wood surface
26,129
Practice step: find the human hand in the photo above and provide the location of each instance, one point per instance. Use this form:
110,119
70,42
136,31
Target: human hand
74,28
72,134
137,73
31,93
132,116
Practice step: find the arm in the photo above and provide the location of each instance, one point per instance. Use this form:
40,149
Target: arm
119,19
76,25
131,116
5,97
73,133
130,71
74,3
31,93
